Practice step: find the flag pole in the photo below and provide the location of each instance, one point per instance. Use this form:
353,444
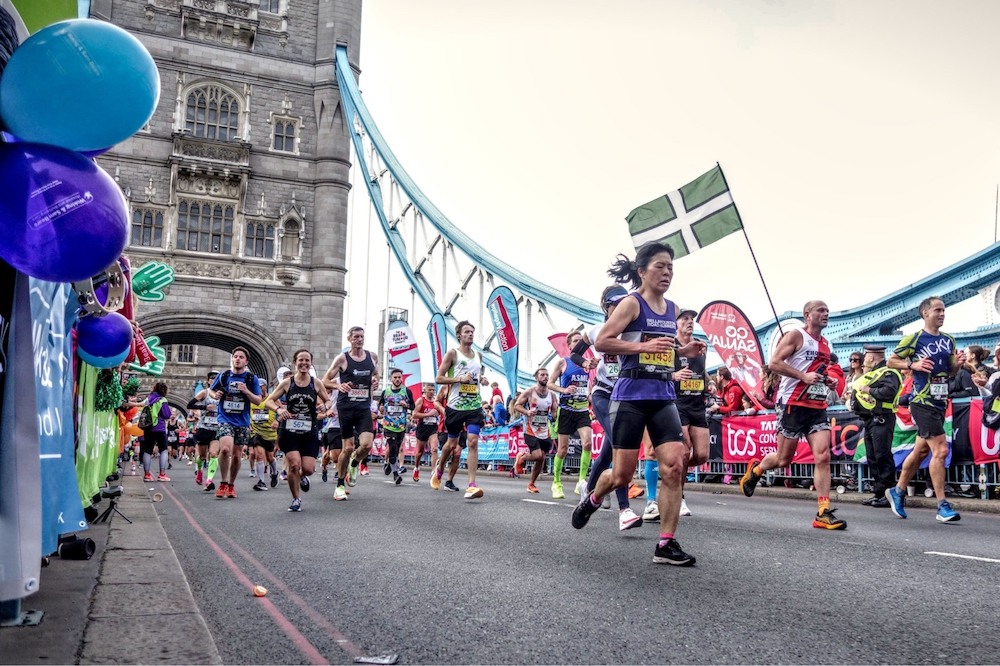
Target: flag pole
753,255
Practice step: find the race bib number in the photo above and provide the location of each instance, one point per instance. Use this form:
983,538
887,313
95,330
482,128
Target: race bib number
298,425
430,420
210,421
357,394
660,359
540,422
233,406
580,391
468,389
612,370
172,437
693,385
259,417
394,410
939,387
816,391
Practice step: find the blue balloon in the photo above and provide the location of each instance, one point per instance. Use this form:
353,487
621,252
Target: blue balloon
62,217
107,337
81,84
101,362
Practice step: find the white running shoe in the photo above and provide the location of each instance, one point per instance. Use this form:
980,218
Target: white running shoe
685,511
652,511
627,519
581,487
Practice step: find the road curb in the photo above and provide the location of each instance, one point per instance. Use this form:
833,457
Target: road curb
142,610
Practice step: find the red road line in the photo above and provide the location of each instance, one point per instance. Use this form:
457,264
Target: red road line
294,635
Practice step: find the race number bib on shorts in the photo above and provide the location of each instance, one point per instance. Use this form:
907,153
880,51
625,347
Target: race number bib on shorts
661,360
939,387
693,385
298,425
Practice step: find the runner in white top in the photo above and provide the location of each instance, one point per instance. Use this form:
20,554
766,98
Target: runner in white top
538,406
801,358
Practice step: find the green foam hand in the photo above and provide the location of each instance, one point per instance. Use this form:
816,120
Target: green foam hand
152,348
150,279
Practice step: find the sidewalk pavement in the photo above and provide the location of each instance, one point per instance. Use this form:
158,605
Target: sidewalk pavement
129,604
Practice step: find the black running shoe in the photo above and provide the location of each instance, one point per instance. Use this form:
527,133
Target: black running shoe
304,484
387,468
748,482
397,477
210,486
274,480
582,513
451,486
325,476
671,553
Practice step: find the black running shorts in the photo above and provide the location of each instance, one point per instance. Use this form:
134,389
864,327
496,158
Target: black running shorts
533,444
796,421
571,422
630,418
425,431
456,420
929,420
355,421
332,439
692,413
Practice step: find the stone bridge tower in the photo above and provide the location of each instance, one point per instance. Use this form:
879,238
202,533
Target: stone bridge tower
240,180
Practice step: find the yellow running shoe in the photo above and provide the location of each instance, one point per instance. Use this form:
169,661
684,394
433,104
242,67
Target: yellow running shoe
557,490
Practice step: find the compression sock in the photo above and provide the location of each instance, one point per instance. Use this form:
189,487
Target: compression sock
213,467
585,460
260,469
557,473
651,472
164,463
147,462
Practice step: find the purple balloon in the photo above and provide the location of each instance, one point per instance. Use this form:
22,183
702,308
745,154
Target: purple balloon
104,336
62,217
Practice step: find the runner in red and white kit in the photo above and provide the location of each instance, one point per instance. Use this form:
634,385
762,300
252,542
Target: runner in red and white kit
801,358
539,406
426,415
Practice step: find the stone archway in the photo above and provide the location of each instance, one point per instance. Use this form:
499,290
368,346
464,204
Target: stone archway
219,331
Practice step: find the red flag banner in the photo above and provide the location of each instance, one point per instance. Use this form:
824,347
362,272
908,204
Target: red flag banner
735,341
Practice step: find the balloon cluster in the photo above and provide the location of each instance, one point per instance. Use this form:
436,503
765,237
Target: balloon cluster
70,91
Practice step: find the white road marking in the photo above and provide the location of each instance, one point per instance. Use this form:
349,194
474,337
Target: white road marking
542,502
964,557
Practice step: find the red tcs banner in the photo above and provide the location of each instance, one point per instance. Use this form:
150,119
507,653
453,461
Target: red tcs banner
985,442
748,437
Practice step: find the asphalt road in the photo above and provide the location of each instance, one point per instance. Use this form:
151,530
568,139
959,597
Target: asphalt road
433,578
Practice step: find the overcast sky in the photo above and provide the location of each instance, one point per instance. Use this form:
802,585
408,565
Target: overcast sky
860,138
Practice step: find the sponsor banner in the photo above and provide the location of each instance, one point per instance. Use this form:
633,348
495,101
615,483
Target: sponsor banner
439,339
985,443
743,438
558,342
53,311
404,354
735,341
502,306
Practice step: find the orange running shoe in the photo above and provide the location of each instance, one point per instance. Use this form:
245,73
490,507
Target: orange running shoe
532,488
634,491
221,492
519,464
230,490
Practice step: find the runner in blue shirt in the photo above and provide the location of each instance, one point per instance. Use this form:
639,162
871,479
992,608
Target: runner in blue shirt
932,357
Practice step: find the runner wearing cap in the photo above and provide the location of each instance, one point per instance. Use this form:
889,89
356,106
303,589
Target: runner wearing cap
690,385
937,358
206,461
571,381
607,366
643,330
